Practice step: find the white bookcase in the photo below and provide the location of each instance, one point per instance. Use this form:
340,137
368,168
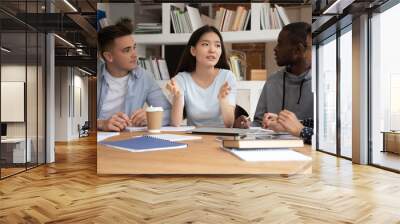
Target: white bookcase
248,91
248,36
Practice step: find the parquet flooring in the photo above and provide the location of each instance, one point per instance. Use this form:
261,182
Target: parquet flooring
69,191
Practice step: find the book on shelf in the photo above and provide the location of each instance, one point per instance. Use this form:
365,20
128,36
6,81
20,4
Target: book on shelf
282,14
162,66
273,17
263,141
157,67
236,67
185,21
207,20
232,20
237,62
143,28
194,18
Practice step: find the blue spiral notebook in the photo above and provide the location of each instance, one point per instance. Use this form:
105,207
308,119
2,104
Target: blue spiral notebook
144,144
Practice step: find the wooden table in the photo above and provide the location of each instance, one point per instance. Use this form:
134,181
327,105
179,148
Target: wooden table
201,157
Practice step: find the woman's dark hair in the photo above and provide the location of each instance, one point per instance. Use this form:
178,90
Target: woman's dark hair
188,61
108,34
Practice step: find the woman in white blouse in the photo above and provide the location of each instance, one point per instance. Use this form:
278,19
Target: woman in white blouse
204,84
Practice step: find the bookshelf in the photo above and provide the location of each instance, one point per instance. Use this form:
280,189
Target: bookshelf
255,34
168,44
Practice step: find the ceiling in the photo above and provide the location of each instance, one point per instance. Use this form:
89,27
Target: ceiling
330,16
23,21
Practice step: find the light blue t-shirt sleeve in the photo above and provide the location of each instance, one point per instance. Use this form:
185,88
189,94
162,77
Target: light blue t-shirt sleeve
233,84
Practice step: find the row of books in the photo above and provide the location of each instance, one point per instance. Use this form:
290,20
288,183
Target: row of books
230,20
273,17
237,67
157,67
142,28
186,21
190,19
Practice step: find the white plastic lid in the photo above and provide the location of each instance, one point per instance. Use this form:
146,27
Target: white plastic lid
153,109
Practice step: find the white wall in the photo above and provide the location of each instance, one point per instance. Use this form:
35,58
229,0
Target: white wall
71,93
17,73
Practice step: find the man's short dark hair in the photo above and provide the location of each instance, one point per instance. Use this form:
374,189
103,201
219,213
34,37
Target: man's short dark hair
108,34
298,32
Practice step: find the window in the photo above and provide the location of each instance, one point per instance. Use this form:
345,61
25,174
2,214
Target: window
346,92
327,95
385,84
22,74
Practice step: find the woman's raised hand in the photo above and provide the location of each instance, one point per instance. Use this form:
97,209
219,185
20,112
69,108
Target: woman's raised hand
224,91
173,88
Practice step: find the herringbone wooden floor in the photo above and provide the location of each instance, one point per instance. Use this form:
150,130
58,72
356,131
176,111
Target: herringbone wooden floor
69,191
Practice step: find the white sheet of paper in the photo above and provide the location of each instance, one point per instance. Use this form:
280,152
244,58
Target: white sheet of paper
166,128
103,135
177,129
176,138
131,129
258,155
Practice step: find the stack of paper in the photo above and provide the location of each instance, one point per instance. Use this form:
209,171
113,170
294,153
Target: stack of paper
104,135
258,155
176,138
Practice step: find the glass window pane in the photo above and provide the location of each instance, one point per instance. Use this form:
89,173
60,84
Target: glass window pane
327,96
13,84
41,98
385,84
346,94
31,97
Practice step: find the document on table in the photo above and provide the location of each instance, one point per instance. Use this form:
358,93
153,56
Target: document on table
260,155
262,131
177,129
166,128
176,138
132,129
103,135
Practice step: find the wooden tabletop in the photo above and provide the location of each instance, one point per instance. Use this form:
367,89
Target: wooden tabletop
202,156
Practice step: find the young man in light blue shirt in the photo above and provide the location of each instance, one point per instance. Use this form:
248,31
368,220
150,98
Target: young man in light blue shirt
122,87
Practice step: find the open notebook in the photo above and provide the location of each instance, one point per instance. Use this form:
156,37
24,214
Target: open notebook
261,155
144,144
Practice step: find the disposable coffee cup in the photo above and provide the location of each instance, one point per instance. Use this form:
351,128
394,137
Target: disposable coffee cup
154,119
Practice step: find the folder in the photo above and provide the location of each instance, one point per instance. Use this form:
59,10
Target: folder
144,144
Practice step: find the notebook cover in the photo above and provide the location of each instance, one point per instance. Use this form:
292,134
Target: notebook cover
144,143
